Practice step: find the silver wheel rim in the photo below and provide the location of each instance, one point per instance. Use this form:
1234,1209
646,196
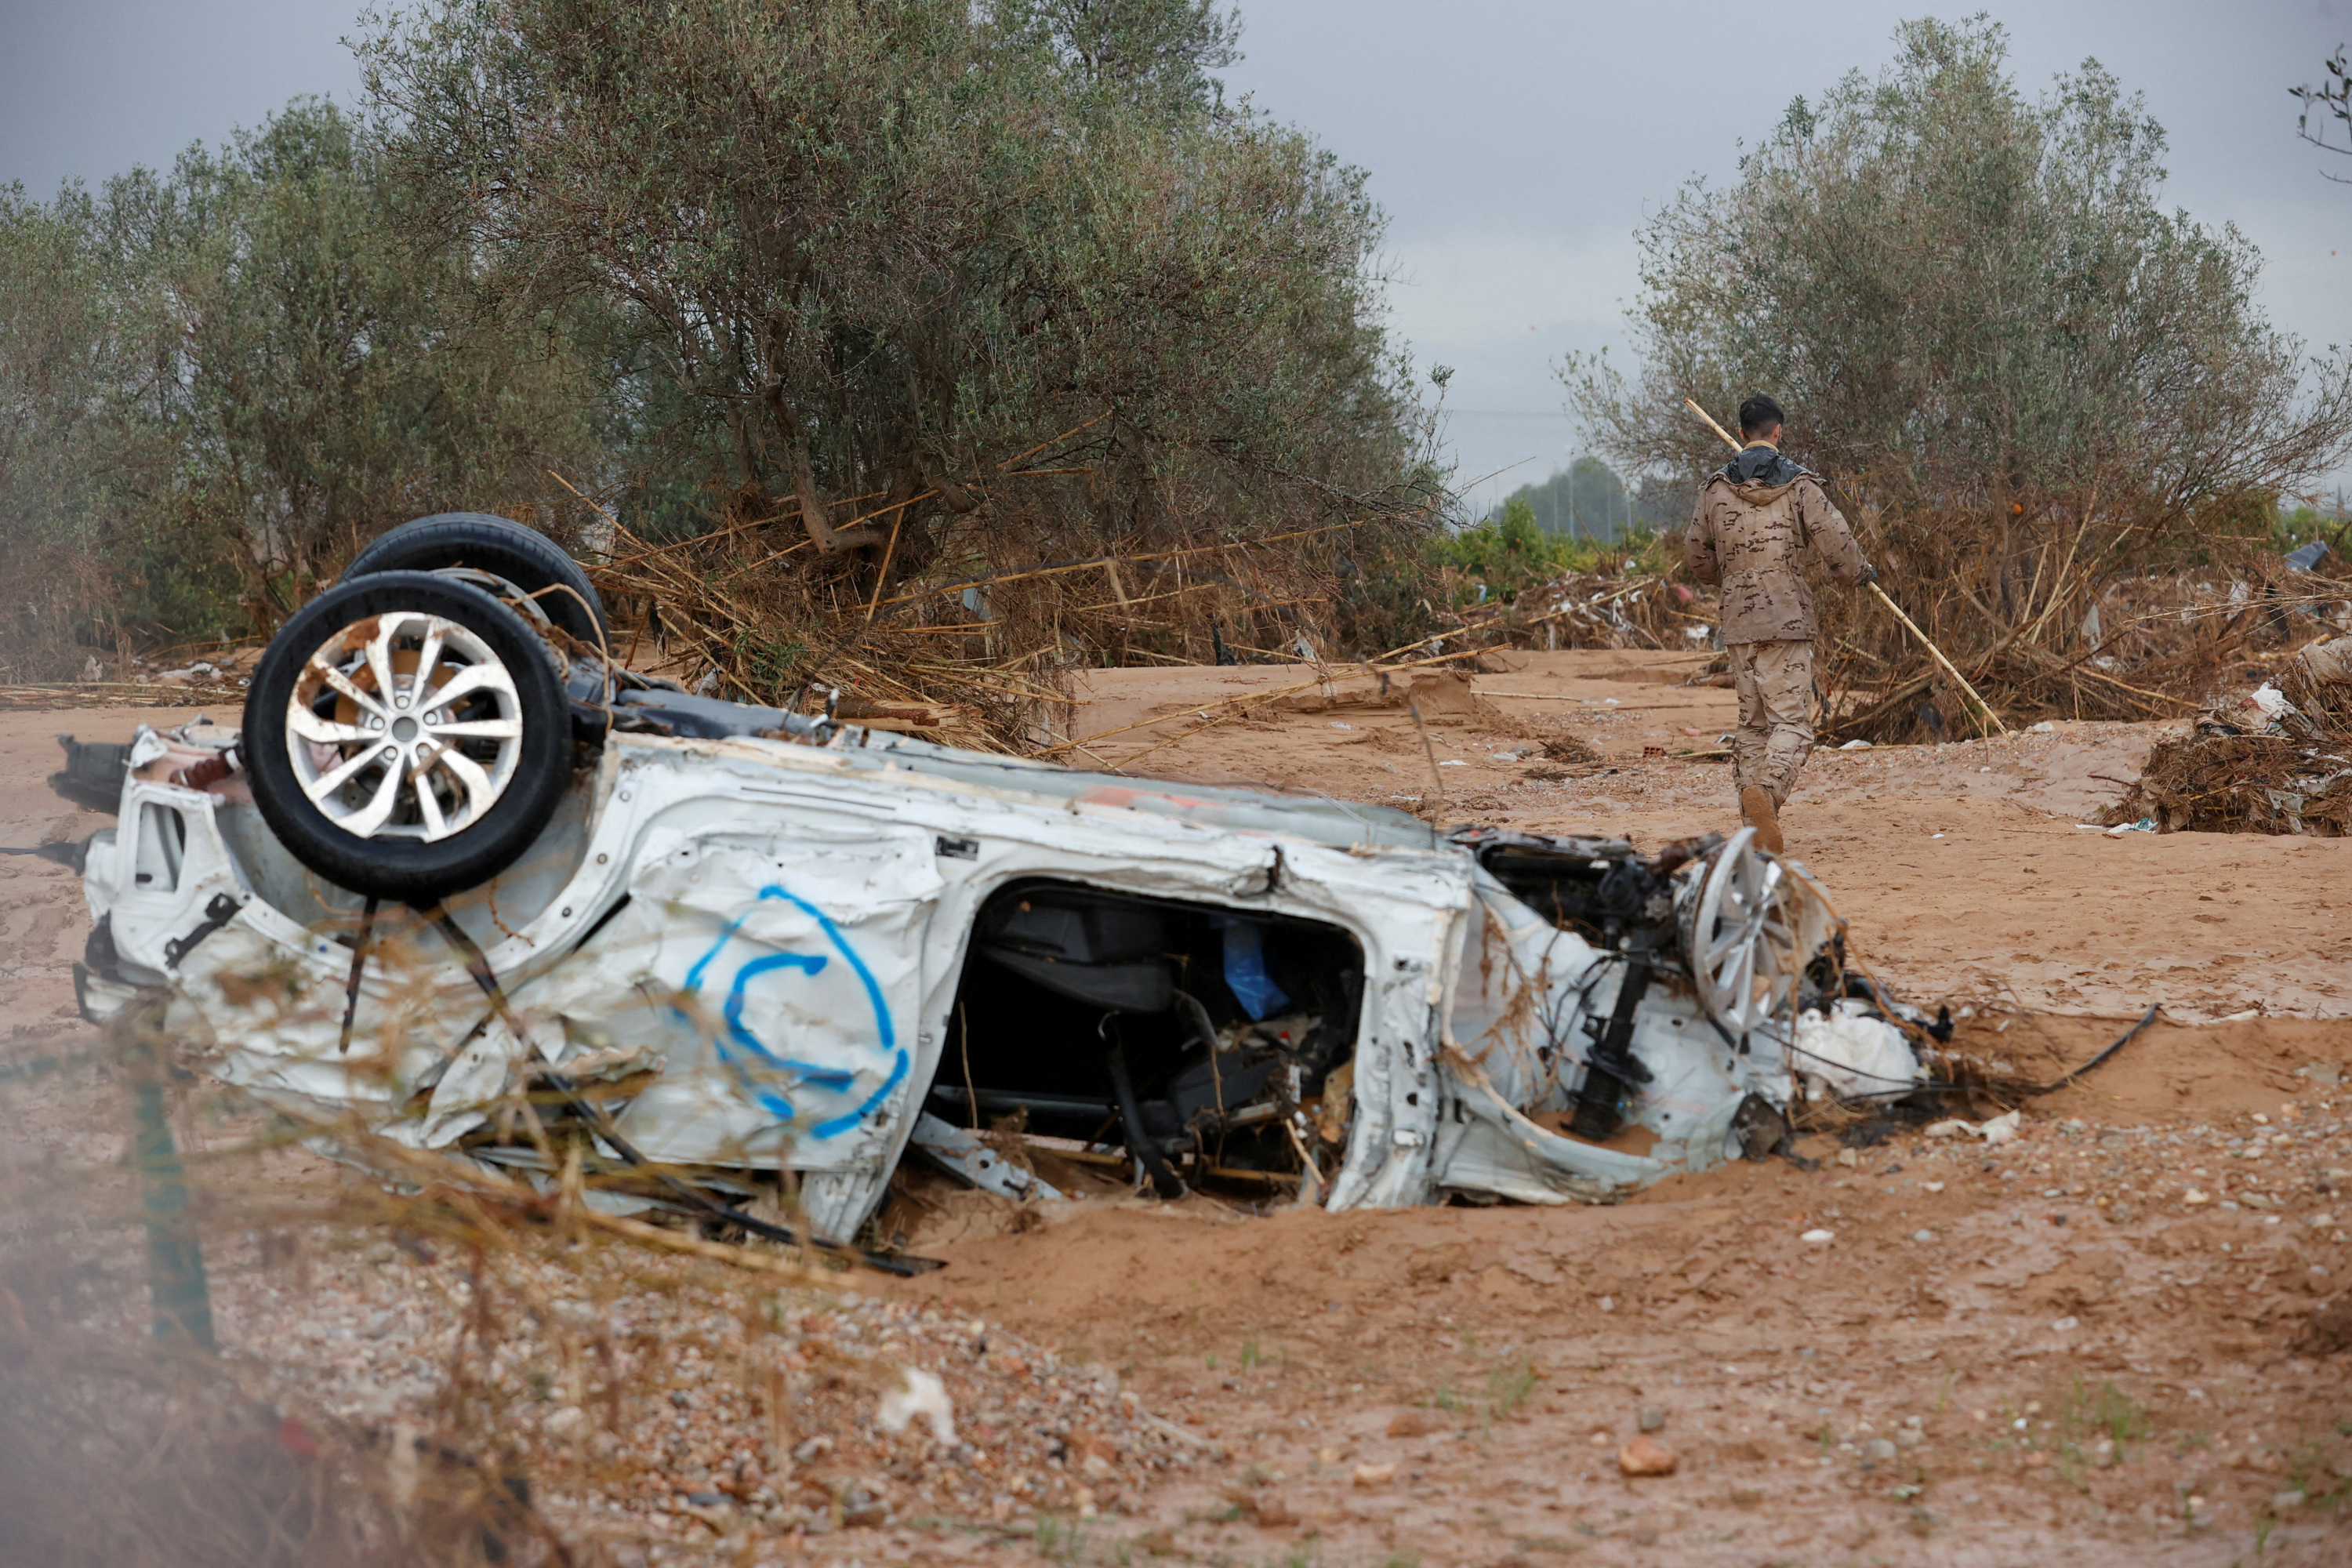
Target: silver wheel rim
1744,938
404,725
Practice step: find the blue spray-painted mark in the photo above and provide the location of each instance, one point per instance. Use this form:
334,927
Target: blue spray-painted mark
833,1079
769,1096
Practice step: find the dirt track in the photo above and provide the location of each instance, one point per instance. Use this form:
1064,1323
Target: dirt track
1498,1358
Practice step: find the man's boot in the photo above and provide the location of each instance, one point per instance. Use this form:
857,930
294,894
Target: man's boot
1756,809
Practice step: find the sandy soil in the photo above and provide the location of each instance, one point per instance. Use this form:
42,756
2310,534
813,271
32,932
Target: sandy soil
2095,1341
1964,869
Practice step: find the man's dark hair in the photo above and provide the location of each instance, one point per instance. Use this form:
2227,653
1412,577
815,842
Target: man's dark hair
1758,414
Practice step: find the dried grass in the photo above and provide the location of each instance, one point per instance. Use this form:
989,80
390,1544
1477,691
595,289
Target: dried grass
1606,609
2050,622
450,1364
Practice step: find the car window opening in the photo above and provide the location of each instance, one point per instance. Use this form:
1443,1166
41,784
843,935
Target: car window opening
1205,1044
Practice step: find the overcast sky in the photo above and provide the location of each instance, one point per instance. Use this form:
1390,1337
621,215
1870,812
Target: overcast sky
1514,144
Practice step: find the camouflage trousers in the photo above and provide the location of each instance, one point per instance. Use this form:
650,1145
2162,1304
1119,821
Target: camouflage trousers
1775,680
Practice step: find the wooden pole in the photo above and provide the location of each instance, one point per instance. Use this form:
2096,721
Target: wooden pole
1983,707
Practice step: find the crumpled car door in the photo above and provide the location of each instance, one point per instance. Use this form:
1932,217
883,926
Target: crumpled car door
791,966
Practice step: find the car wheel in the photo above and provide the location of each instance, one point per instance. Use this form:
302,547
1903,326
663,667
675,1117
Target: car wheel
502,557
406,736
1742,938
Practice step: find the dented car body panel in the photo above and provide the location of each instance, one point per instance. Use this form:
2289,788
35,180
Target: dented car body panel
753,953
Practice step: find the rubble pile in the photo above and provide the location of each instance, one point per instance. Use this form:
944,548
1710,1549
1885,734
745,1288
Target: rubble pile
2278,760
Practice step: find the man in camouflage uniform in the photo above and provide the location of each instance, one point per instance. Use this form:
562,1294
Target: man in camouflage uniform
1755,520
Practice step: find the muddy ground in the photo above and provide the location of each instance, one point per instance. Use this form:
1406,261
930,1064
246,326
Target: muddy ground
2102,1343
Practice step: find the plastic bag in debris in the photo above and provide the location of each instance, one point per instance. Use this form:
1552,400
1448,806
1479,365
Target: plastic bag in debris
2308,558
920,1395
1850,1054
2272,702
2328,663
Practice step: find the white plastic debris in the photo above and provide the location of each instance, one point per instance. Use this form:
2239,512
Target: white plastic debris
145,747
1855,746
1849,1055
2272,702
2001,1128
2044,728
2145,824
921,1396
1818,1236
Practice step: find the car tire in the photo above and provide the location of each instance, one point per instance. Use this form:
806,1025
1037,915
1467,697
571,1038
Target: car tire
520,557
372,794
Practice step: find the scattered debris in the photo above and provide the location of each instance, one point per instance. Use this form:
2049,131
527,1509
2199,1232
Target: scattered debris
2001,1128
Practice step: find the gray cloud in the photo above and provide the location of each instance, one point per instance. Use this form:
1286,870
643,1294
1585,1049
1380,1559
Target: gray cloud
91,87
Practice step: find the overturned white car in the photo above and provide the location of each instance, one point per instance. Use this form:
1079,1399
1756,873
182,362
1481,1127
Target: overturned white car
463,880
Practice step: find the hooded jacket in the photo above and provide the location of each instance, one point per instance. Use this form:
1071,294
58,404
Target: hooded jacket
1756,517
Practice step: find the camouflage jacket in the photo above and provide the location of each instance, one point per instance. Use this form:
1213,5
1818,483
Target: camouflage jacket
1753,521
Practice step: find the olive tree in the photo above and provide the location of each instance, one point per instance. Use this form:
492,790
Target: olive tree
2019,368
1966,298
216,380
877,251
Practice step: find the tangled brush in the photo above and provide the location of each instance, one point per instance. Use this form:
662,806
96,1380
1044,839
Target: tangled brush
2277,761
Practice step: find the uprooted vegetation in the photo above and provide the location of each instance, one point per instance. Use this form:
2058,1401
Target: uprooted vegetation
2277,761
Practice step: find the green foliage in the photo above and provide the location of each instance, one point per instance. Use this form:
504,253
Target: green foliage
1965,299
1509,1383
1155,54
2297,525
228,376
2332,99
2022,376
1508,552
885,250
697,256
